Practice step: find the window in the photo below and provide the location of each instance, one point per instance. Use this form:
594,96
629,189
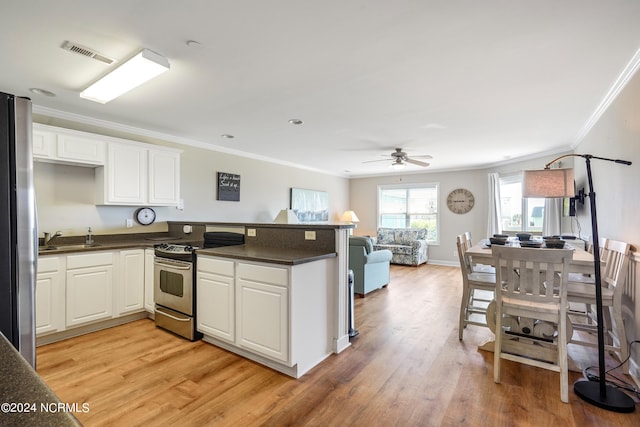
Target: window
518,213
409,206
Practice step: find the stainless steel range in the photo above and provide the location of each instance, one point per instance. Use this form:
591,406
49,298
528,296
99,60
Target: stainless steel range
174,289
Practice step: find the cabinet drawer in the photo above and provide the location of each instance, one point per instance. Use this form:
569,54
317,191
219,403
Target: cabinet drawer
48,264
89,260
262,273
217,266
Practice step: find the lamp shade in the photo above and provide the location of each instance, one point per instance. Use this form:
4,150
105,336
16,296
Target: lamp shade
548,183
286,216
349,216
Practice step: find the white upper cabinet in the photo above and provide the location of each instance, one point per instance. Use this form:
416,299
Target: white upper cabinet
123,180
164,178
127,172
135,174
57,145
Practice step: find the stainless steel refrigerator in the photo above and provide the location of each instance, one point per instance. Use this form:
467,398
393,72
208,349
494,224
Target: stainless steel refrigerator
18,229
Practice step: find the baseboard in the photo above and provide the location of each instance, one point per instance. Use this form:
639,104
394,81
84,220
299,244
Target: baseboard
445,263
92,327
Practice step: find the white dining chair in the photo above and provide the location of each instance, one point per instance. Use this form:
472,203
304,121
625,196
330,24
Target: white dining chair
616,254
477,288
533,286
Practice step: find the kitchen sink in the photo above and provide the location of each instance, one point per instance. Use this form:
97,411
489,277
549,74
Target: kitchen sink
68,247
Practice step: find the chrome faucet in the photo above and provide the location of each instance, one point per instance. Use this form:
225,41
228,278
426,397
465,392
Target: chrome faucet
48,237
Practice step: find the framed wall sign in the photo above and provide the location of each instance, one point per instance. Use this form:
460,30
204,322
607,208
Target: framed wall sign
228,187
310,205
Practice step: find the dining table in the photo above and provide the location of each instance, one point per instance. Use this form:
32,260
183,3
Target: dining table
529,337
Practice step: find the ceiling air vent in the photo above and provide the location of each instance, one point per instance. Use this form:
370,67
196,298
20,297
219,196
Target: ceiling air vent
85,51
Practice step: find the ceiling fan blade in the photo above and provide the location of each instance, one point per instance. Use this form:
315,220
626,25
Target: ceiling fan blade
424,156
373,161
416,162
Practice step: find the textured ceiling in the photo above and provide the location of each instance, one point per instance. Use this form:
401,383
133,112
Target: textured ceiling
471,83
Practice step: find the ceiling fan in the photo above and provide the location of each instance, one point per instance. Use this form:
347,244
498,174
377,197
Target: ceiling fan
399,158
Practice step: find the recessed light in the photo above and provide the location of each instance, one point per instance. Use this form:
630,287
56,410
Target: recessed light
295,121
227,136
39,91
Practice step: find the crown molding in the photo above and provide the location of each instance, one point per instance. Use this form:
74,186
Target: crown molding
622,80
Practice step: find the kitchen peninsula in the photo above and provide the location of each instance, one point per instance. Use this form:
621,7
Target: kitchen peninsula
281,299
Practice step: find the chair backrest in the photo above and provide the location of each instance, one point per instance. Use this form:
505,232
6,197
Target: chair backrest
602,245
467,236
532,274
617,260
364,242
464,243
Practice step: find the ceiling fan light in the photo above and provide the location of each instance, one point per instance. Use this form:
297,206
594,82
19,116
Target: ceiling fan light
398,165
141,68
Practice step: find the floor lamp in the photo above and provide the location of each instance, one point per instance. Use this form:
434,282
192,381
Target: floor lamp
559,183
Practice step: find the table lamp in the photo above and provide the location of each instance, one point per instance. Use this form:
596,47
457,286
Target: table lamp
559,183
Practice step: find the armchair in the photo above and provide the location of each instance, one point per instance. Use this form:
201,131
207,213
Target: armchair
370,268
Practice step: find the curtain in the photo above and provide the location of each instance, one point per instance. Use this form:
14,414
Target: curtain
552,217
493,221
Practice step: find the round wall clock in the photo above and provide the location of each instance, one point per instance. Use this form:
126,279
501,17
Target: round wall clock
460,201
145,216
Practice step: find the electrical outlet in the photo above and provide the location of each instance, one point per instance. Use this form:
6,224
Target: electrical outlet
129,223
251,232
309,235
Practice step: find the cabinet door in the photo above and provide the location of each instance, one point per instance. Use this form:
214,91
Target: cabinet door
124,175
79,149
216,306
44,144
131,283
263,318
164,178
49,296
89,294
149,305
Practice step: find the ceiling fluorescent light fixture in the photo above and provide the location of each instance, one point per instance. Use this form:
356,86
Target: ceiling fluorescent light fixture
141,68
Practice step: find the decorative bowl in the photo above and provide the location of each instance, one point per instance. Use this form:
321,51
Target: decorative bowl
554,243
498,240
530,244
524,236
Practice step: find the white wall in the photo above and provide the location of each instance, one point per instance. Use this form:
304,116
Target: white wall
65,194
617,135
364,199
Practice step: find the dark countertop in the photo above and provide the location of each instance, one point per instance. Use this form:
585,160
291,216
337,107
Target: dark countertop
66,245
302,225
25,398
267,254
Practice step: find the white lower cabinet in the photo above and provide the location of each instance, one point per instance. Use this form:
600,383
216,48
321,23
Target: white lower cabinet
263,310
149,305
49,298
216,298
277,315
92,287
131,264
89,287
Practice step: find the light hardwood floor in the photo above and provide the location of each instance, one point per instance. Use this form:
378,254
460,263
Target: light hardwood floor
407,368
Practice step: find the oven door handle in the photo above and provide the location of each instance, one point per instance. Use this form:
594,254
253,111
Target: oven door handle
174,266
164,313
